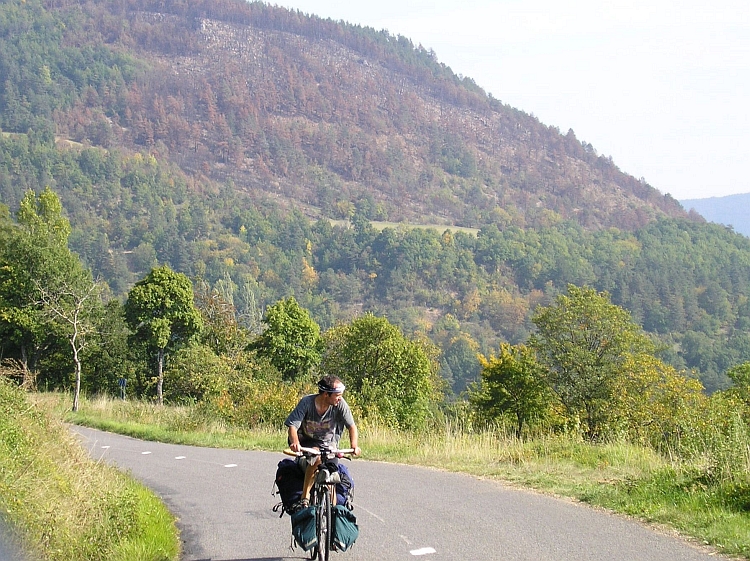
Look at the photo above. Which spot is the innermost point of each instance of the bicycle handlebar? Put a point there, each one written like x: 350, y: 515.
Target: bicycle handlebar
x: 340, y: 453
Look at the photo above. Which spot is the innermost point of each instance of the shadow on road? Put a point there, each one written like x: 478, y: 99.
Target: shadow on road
x: 258, y: 558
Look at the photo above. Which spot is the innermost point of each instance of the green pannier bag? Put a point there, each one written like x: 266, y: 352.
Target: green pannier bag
x: 304, y: 528
x: 345, y: 529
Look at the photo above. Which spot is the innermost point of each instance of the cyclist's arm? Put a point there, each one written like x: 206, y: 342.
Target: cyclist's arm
x: 293, y: 439
x: 354, y: 439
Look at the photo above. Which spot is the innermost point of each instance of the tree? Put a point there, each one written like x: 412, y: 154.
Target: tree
x: 512, y: 382
x: 584, y: 340
x: 291, y: 340
x: 20, y: 321
x: 652, y: 400
x: 70, y: 302
x: 34, y: 257
x: 161, y: 313
x: 394, y: 379
x: 740, y: 375
x: 461, y: 361
x: 222, y: 333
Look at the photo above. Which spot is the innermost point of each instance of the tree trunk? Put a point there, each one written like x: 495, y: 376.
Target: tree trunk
x: 160, y: 374
x: 77, y: 393
x: 28, y: 378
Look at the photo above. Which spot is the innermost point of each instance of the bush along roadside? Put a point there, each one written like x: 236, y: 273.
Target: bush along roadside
x: 63, y: 505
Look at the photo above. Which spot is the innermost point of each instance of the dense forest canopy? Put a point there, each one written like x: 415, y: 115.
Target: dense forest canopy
x: 261, y: 151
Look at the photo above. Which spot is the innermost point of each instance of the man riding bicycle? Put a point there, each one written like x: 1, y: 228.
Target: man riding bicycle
x: 318, y: 421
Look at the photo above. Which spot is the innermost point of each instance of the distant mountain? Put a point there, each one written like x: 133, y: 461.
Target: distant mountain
x: 732, y: 210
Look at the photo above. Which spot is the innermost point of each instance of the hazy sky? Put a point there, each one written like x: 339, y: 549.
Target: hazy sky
x: 661, y: 86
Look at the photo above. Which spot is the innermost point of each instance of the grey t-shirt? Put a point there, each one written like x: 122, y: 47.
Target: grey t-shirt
x: 319, y: 430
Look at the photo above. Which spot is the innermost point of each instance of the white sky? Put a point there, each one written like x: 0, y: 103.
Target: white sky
x: 662, y: 86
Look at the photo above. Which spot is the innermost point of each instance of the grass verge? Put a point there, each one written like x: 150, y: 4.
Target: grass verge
x: 618, y: 476
x: 67, y: 507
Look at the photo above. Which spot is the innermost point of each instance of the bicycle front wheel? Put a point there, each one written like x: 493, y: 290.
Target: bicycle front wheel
x: 323, y: 516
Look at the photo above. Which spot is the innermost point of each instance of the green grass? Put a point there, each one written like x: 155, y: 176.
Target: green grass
x: 622, y: 477
x: 66, y: 506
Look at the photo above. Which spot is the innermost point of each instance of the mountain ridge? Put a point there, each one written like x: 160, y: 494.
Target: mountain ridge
x: 730, y: 210
x: 332, y: 117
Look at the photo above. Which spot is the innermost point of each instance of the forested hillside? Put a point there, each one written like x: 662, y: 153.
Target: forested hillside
x: 261, y: 150
x: 319, y: 114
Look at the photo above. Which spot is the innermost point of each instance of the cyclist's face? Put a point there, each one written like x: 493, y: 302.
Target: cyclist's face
x: 334, y: 398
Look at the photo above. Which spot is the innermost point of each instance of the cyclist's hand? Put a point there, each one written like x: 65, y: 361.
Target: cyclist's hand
x: 294, y: 446
x: 357, y: 450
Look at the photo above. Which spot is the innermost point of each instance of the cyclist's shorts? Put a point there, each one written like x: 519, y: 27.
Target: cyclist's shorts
x: 304, y: 461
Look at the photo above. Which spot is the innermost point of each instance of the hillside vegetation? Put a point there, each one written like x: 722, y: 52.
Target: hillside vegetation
x: 66, y: 506
x: 314, y: 113
x: 221, y: 137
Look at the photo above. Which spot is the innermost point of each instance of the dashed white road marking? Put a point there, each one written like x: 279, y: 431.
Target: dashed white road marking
x: 230, y: 466
x: 423, y: 551
x: 105, y: 447
x: 146, y: 452
x: 360, y: 507
x: 179, y: 457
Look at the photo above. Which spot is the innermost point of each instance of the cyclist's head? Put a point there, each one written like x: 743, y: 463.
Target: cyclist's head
x: 331, y: 384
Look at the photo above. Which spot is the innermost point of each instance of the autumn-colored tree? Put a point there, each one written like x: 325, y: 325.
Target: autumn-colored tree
x: 652, y: 400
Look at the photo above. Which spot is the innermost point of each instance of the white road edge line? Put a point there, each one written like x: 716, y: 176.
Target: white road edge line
x: 423, y: 551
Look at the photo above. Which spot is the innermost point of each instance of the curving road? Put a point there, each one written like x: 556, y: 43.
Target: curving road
x: 223, y: 501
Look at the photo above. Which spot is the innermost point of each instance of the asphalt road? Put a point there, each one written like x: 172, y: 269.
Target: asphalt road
x: 223, y: 501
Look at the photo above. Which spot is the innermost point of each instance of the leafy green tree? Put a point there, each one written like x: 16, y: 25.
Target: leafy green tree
x: 20, y: 320
x: 65, y: 291
x: 740, y: 375
x: 460, y: 358
x: 196, y: 374
x: 109, y: 356
x: 161, y: 312
x: 512, y: 383
x: 291, y: 340
x: 584, y: 341
x: 394, y: 378
x: 36, y: 269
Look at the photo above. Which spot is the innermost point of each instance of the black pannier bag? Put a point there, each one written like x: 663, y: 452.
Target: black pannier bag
x: 289, y: 481
x: 345, y: 488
